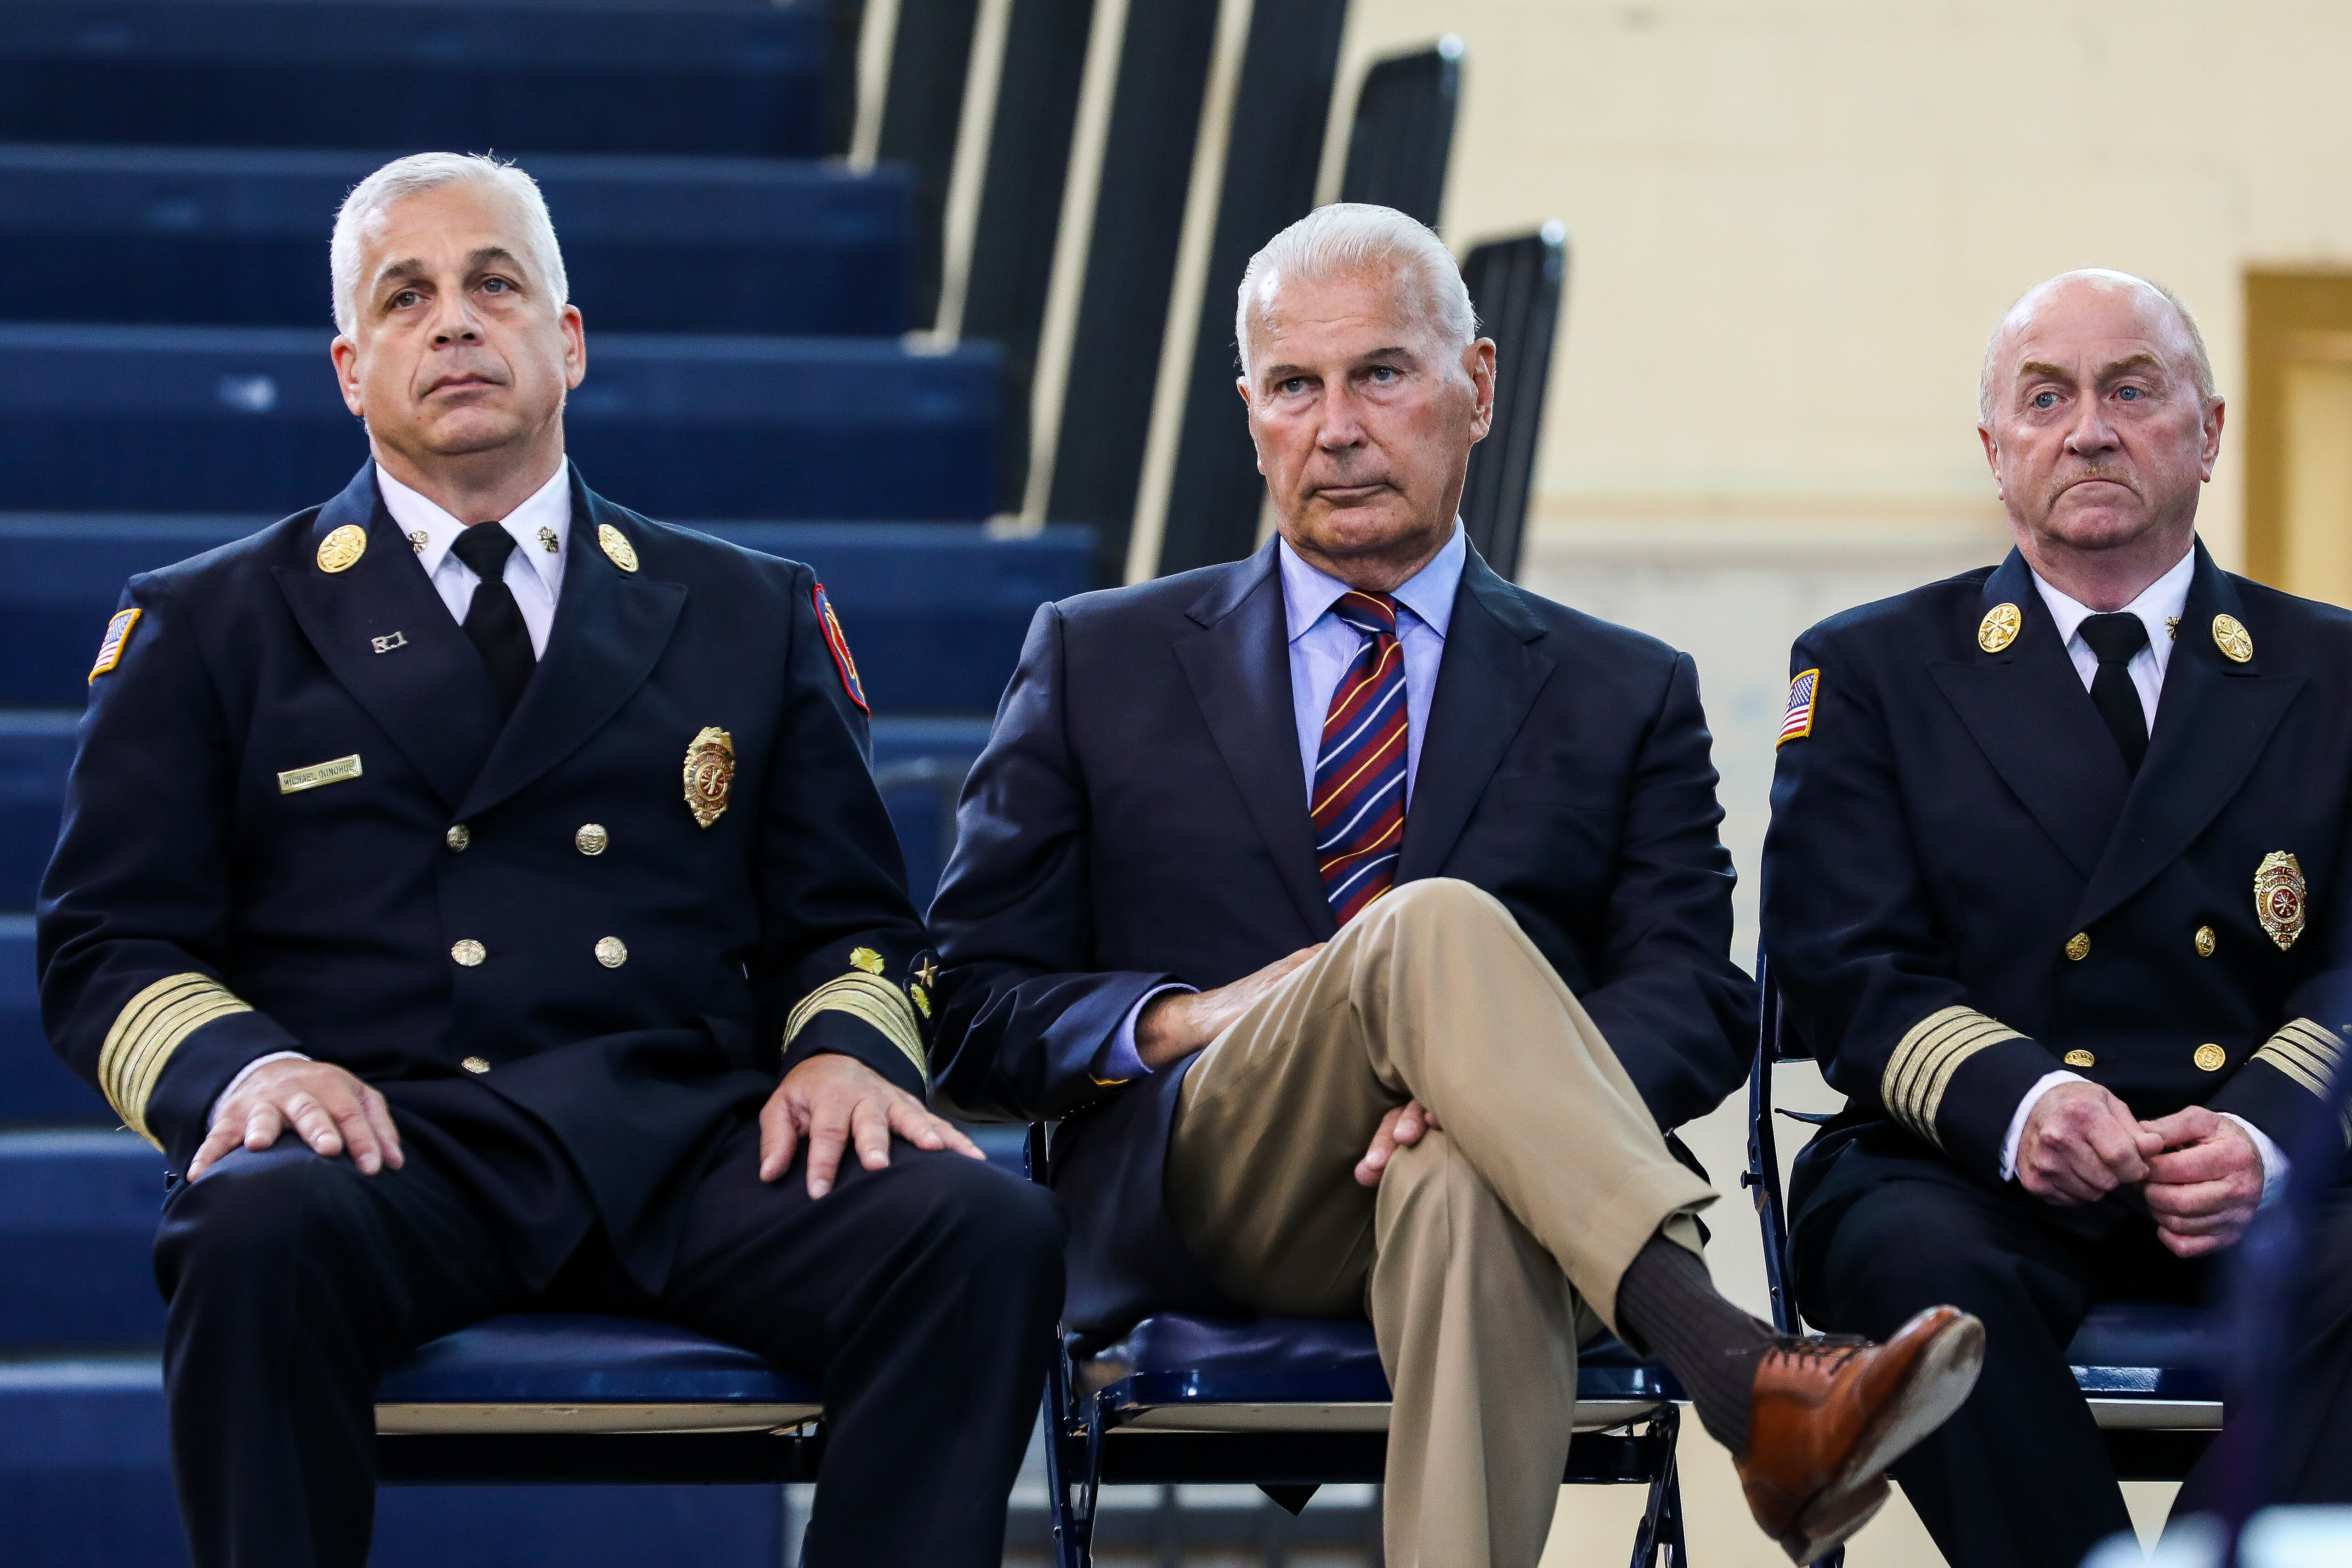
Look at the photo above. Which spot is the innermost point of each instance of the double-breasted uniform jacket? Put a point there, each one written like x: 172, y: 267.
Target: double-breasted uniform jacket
x: 1140, y: 816
x: 517, y: 928
x: 1966, y: 889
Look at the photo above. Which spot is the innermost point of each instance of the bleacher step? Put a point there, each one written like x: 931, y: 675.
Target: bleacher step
x: 222, y: 419
x: 204, y: 237
x: 593, y: 76
x: 85, y: 1482
x: 935, y: 611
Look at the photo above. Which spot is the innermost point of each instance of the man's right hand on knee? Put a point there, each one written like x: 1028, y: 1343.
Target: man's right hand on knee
x: 2080, y: 1144
x: 1175, y: 1024
x: 326, y: 1107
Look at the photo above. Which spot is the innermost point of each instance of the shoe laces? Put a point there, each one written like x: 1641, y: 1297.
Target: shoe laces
x: 1829, y: 1349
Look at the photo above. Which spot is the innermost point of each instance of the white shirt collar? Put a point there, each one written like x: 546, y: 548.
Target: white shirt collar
x: 546, y: 514
x: 2159, y: 606
x: 1308, y: 591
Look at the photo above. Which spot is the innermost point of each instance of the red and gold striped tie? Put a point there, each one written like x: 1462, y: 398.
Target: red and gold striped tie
x: 1359, y: 798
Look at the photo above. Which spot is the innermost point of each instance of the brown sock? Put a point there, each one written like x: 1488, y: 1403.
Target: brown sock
x: 1667, y: 1303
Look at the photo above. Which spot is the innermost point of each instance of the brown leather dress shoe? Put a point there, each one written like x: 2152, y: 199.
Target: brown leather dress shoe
x: 1829, y: 1415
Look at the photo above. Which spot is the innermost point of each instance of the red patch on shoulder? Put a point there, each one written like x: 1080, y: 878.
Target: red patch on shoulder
x: 831, y: 624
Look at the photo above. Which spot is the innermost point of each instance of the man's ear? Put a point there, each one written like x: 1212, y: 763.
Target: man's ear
x: 346, y: 357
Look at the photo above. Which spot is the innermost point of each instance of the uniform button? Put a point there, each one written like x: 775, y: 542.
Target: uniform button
x: 592, y: 838
x: 2211, y: 1058
x: 612, y: 952
x: 457, y: 837
x: 2080, y: 1059
x: 2078, y: 945
x: 468, y: 952
x: 475, y: 1065
x: 2204, y: 941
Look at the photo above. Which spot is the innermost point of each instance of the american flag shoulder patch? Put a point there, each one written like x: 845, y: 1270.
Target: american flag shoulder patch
x: 1798, y: 721
x: 118, y: 637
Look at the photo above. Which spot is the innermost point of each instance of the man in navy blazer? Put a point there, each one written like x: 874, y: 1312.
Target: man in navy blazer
x: 1362, y: 919
x: 479, y: 893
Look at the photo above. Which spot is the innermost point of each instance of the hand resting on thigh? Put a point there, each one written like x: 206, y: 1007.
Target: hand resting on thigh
x: 324, y: 1105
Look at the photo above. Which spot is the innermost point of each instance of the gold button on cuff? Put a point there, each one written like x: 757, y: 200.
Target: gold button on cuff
x: 475, y: 1065
x: 590, y: 839
x: 2211, y: 1058
x: 468, y: 952
x: 2204, y: 941
x: 457, y: 837
x: 2080, y: 1059
x: 612, y: 952
x: 2078, y: 945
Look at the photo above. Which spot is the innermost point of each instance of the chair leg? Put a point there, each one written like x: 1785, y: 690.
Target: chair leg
x: 1658, y: 1542
x: 1073, y: 1470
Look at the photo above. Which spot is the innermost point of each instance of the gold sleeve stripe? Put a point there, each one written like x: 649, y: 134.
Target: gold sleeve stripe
x: 147, y: 1031
x: 1925, y: 1060
x: 2305, y: 1052
x: 872, y: 999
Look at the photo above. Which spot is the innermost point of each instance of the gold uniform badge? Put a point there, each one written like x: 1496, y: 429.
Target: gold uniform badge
x: 1998, y: 629
x: 616, y: 545
x: 340, y: 550
x: 865, y: 958
x: 2279, y: 892
x: 2235, y: 642
x: 709, y: 773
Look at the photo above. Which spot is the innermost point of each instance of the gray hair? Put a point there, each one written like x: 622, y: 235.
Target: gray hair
x: 2105, y: 278
x: 1354, y: 237
x: 405, y: 177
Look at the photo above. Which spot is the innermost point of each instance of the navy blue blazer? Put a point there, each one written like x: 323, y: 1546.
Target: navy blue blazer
x: 202, y: 908
x: 1958, y: 840
x: 1140, y: 816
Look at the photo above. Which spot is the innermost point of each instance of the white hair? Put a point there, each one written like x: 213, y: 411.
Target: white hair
x: 2201, y: 362
x: 405, y: 177
x: 1351, y: 238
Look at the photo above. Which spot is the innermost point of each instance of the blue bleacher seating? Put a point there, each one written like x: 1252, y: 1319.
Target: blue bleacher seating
x: 588, y: 76
x: 77, y: 1214
x: 219, y: 419
x: 85, y: 1482
x: 207, y: 237
x: 935, y: 611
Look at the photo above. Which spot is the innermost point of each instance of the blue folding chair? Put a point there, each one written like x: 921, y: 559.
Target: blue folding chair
x: 2151, y: 1371
x: 1291, y: 1404
x: 583, y: 1399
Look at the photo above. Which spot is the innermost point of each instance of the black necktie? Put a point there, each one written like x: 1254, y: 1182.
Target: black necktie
x: 2115, y: 639
x: 493, y: 620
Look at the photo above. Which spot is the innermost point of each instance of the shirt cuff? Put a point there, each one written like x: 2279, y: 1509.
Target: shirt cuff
x: 2042, y: 1085
x: 2276, y: 1166
x: 246, y: 1072
x: 1118, y: 1061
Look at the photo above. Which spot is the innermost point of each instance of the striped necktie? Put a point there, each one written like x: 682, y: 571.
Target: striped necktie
x: 1359, y: 796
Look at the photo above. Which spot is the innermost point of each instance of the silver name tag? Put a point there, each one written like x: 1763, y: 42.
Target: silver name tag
x: 319, y: 773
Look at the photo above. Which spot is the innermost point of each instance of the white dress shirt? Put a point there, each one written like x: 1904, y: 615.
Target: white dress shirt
x: 1322, y: 646
x: 2159, y: 606
x: 534, y: 575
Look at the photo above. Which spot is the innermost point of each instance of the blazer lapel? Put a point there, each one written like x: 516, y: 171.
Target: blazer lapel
x: 2212, y: 724
x: 425, y: 685
x: 2028, y: 711
x: 609, y: 629
x: 1239, y: 669
x: 1486, y: 682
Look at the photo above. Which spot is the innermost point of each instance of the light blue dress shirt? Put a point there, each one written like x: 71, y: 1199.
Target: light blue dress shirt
x: 1322, y: 646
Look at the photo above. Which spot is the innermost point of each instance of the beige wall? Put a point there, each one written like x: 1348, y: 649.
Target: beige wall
x: 1793, y: 222
x: 1792, y: 226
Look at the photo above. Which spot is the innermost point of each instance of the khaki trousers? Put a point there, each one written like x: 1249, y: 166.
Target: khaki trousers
x: 1488, y: 1249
